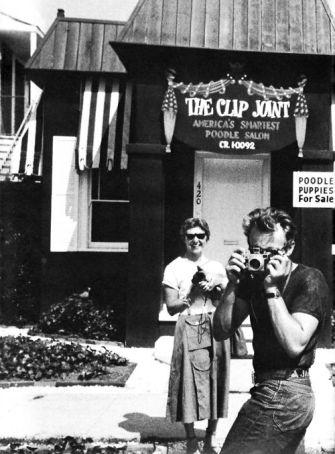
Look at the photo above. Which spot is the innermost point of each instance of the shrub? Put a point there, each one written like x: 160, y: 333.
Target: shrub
x: 20, y: 253
x: 78, y: 315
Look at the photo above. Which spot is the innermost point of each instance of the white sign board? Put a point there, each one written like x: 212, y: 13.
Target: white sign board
x: 314, y: 189
x: 64, y: 202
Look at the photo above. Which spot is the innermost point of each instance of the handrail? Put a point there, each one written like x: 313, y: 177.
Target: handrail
x: 22, y: 128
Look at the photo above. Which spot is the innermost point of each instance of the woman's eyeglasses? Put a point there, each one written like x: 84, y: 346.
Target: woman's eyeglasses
x: 191, y: 236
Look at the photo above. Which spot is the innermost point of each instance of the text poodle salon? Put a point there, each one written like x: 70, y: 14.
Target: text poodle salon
x: 252, y: 118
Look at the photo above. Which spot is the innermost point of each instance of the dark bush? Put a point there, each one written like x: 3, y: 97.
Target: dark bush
x: 78, y: 315
x: 20, y: 253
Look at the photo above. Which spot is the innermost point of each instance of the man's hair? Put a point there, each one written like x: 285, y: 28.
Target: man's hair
x: 190, y: 223
x: 266, y: 219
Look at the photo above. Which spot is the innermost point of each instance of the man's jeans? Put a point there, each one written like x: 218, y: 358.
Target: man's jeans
x: 274, y: 420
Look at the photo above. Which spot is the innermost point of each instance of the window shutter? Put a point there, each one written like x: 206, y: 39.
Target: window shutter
x: 64, y: 198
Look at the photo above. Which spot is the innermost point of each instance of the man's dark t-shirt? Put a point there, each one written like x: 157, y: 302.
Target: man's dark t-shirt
x: 306, y: 292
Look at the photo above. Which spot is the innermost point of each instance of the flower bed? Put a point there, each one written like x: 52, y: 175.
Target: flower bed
x: 71, y: 445
x: 26, y: 359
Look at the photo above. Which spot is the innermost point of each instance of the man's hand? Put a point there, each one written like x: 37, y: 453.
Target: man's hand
x: 236, y: 264
x: 277, y: 269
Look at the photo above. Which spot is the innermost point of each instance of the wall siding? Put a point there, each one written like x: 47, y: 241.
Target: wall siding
x: 71, y: 52
x: 84, y: 50
x: 323, y: 29
x: 169, y: 22
x: 96, y: 47
x: 240, y: 37
x: 282, y: 26
x: 61, y: 37
x: 212, y: 25
x: 296, y: 36
x: 183, y: 32
x: 268, y: 26
x: 254, y: 29
x: 109, y: 58
x: 155, y: 22
x: 198, y: 18
x: 47, y: 53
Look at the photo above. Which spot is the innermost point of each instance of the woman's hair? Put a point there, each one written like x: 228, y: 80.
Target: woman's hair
x: 266, y: 219
x: 190, y: 223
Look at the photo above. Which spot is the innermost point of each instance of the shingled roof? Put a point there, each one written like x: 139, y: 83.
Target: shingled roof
x: 78, y: 45
x: 286, y: 26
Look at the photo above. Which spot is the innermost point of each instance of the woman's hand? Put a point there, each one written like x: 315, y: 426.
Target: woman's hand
x: 212, y: 281
x: 208, y: 284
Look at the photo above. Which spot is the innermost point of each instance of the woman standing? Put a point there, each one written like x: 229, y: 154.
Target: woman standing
x: 199, y: 376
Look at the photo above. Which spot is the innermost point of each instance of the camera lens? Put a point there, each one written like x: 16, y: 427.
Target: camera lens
x: 255, y: 264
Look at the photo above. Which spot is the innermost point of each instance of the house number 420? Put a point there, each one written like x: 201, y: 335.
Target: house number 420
x: 198, y: 194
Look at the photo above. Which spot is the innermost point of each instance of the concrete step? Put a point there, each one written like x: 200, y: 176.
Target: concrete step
x: 5, y: 169
x: 5, y: 164
x: 6, y: 142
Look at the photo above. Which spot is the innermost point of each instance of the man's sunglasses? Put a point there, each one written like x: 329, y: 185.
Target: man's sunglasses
x: 259, y: 250
x: 191, y: 236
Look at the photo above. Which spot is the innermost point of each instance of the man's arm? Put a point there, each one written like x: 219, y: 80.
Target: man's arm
x: 293, y: 331
x: 229, y: 314
x: 231, y: 311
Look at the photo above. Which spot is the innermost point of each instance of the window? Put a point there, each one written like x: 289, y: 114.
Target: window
x: 108, y: 209
x: 11, y: 92
x: 90, y: 210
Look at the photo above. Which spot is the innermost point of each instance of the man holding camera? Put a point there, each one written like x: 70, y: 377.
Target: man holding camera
x: 285, y: 302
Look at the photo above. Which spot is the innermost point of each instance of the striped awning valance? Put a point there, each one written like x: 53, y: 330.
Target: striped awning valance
x: 104, y: 123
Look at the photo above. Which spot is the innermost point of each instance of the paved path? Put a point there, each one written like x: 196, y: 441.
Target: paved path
x: 137, y: 411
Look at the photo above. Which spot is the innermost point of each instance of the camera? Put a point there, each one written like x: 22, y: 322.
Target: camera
x: 256, y: 259
x: 198, y: 276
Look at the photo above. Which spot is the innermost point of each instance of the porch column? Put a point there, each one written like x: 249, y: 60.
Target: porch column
x: 318, y: 223
x: 146, y: 242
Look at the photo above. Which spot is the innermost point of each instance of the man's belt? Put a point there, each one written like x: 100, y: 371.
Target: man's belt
x: 282, y: 374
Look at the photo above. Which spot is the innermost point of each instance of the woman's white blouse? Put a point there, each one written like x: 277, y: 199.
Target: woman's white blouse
x: 178, y: 275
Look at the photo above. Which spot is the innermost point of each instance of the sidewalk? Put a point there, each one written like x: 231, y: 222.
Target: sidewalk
x: 136, y: 412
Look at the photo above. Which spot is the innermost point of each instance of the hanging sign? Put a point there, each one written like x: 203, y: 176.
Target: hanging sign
x: 235, y: 115
x: 235, y: 122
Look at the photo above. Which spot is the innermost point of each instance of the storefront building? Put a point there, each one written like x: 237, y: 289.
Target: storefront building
x: 197, y: 107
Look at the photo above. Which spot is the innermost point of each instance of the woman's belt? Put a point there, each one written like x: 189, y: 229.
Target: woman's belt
x: 282, y: 374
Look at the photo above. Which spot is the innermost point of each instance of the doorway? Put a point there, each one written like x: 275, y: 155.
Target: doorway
x: 226, y: 188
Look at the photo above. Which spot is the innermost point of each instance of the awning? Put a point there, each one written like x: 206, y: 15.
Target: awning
x: 104, y: 123
x: 26, y: 155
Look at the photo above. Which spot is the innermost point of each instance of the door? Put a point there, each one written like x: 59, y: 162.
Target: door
x: 226, y: 188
